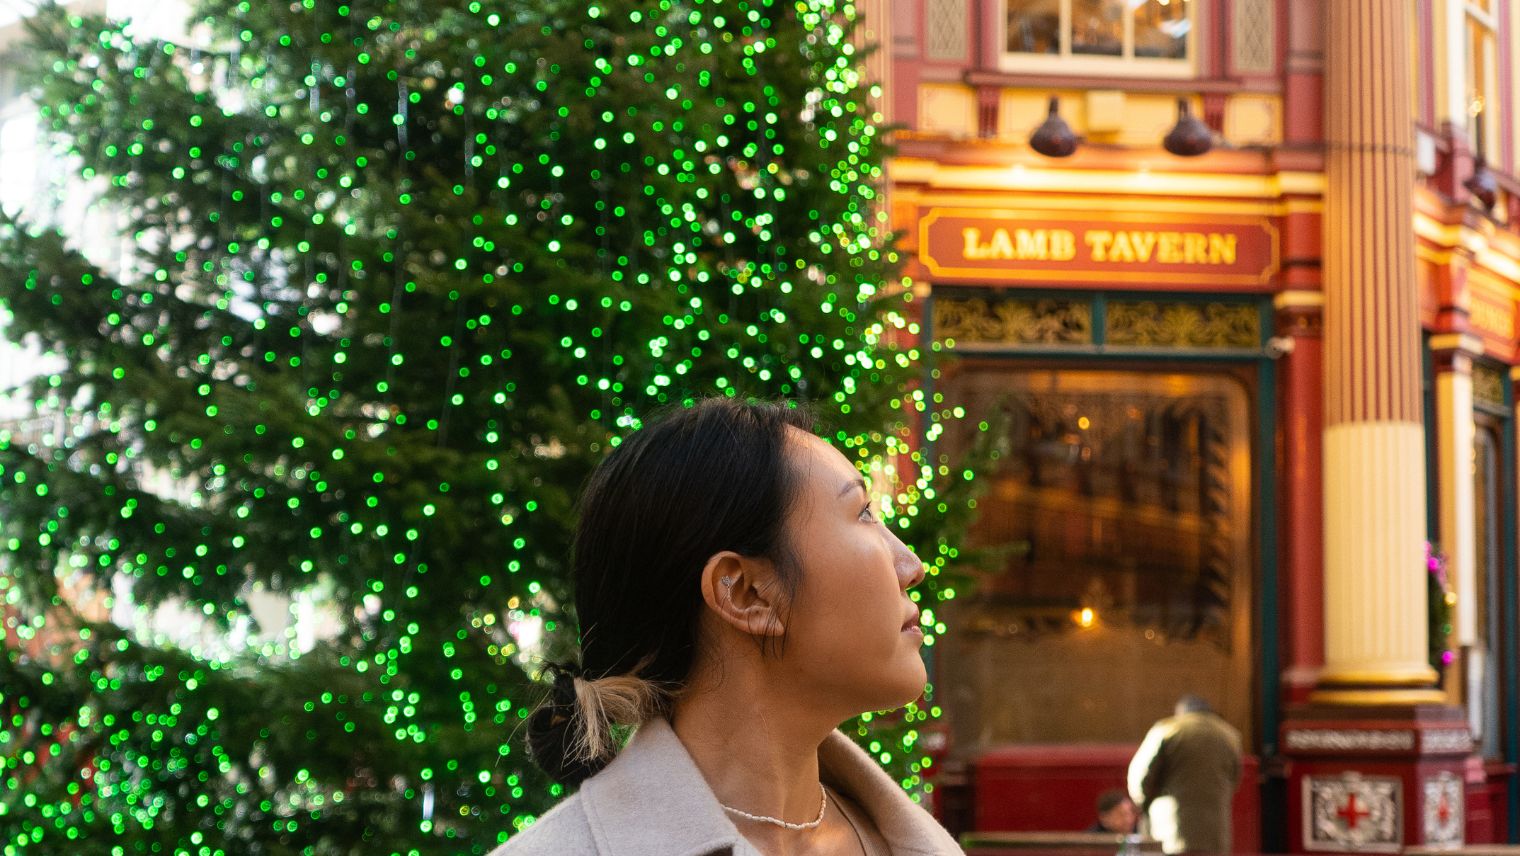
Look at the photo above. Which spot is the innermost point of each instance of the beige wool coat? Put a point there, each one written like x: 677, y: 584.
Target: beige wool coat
x: 1184, y: 775
x: 652, y: 801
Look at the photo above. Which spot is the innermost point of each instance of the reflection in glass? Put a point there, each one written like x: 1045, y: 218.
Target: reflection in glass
x: 1161, y: 28
x: 1034, y: 26
x: 1097, y: 27
x: 1126, y: 499
x: 1483, y: 663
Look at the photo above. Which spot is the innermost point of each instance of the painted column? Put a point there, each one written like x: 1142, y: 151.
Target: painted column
x: 1374, y: 443
x: 1301, y: 423
x: 1453, y: 354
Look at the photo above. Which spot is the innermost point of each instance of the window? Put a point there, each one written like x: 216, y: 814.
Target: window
x: 1482, y: 77
x: 1482, y: 691
x: 1121, y: 573
x: 1099, y: 35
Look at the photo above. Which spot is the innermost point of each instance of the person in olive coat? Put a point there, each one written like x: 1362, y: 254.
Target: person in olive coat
x: 1184, y: 777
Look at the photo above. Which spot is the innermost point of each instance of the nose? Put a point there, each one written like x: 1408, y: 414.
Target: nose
x: 910, y: 571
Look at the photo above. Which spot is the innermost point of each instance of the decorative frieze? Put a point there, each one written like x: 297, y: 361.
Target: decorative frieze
x: 1154, y: 324
x: 1446, y: 741
x: 1014, y: 321
x: 1348, y: 740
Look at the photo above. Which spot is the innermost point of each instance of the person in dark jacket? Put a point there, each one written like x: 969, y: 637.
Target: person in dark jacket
x: 1184, y: 777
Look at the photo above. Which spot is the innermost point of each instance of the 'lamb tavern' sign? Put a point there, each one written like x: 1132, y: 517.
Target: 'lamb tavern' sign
x: 984, y: 245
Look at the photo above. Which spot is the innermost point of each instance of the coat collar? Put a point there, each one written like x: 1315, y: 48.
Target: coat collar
x: 653, y: 799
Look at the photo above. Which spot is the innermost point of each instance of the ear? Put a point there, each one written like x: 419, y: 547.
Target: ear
x: 743, y: 592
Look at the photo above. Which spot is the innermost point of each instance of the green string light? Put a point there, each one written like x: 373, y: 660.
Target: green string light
x: 400, y: 273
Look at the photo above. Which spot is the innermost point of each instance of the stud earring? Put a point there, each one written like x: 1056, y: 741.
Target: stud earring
x: 727, y: 581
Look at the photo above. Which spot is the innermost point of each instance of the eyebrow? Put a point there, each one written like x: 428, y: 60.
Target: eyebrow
x: 859, y: 482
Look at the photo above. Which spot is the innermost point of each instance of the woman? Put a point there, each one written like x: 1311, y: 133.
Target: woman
x: 738, y: 598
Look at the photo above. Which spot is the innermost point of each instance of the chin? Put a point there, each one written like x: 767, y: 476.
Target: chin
x: 911, y: 687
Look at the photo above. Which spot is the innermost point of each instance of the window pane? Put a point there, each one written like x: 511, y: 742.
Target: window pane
x: 1161, y: 29
x: 1097, y: 27
x: 1123, y: 505
x: 1483, y: 664
x: 1034, y: 26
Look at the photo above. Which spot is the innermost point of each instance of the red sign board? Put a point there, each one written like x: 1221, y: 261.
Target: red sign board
x: 987, y: 245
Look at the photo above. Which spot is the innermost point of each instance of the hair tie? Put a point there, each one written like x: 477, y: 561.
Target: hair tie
x: 563, y: 690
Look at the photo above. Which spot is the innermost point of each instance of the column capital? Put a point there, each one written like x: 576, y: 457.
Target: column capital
x: 1454, y: 352
x: 1299, y: 312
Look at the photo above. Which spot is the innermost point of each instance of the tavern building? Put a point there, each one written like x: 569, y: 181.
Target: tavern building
x: 1245, y: 306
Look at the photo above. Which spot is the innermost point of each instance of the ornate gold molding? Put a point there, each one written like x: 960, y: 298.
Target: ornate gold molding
x: 1147, y: 323
x: 1042, y: 321
x: 1488, y: 385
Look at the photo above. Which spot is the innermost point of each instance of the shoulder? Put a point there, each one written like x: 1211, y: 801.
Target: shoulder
x: 563, y: 831
x: 906, y: 826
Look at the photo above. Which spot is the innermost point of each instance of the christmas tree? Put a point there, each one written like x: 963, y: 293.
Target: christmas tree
x: 402, y: 272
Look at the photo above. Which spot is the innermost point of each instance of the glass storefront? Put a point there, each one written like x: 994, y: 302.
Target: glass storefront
x: 1124, y: 569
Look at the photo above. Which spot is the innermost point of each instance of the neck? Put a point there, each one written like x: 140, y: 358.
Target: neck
x: 756, y: 747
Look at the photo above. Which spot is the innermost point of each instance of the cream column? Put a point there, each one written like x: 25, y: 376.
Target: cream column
x: 1374, y: 447
x: 1454, y: 448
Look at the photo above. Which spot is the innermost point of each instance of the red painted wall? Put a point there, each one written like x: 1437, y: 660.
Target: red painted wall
x: 1054, y: 788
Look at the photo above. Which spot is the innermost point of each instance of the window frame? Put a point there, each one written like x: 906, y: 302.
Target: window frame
x: 1486, y: 21
x: 1066, y: 63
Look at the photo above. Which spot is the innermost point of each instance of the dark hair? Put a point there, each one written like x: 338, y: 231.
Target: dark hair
x: 1191, y: 703
x: 1110, y: 799
x: 695, y: 482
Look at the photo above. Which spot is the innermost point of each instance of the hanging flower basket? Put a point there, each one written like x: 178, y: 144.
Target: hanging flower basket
x: 1439, y: 601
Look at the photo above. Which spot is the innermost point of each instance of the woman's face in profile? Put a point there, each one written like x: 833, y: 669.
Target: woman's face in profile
x: 852, y: 632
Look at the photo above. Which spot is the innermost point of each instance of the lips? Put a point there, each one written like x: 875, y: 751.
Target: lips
x: 912, y: 622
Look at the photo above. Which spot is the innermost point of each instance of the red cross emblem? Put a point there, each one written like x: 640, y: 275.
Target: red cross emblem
x: 1352, y: 813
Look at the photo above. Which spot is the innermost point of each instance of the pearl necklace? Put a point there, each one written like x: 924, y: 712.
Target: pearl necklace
x: 823, y: 806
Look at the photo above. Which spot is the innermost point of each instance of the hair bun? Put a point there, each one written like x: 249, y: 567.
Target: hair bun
x: 556, y: 728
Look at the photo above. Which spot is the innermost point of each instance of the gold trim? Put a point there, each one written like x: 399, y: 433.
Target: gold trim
x: 1295, y: 298
x: 1421, y: 676
x: 1440, y: 257
x: 1477, y: 242
x: 1466, y: 343
x: 1106, y: 181
x: 1084, y: 203
x: 1379, y: 697
x: 1059, y: 275
x: 1157, y: 324
x: 1012, y: 321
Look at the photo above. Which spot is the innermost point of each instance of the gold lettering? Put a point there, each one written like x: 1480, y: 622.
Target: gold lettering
x: 1124, y: 251
x: 1063, y: 245
x: 1001, y: 246
x: 1169, y: 249
x: 1221, y: 249
x: 1143, y: 242
x: 1103, y: 245
x: 972, y: 239
x: 1195, y: 248
x: 1032, y: 243
x: 1098, y: 240
x: 1021, y: 245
